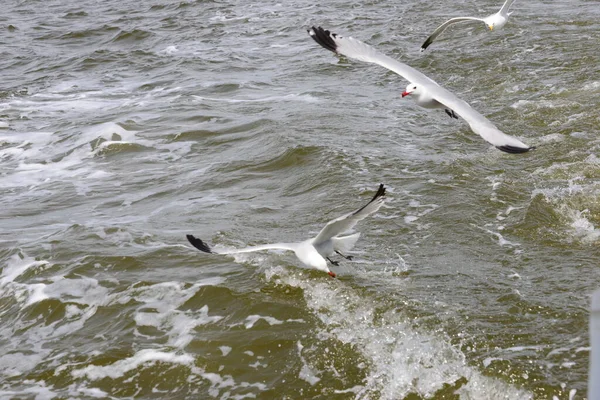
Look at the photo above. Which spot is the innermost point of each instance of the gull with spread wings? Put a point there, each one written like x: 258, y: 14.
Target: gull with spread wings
x: 315, y: 252
x: 426, y: 92
x: 494, y: 21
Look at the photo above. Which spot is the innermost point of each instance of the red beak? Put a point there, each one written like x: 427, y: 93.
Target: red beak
x: 331, y: 274
x: 404, y: 94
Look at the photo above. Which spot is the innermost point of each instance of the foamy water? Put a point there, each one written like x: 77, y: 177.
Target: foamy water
x: 126, y: 126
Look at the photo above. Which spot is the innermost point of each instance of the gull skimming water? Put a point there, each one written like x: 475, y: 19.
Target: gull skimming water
x: 494, y: 21
x: 426, y: 92
x: 315, y: 252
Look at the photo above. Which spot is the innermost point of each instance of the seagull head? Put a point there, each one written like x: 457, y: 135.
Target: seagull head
x: 411, y: 88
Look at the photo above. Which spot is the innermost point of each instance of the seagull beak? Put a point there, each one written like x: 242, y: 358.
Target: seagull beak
x: 491, y: 27
x: 331, y: 274
x: 404, y: 94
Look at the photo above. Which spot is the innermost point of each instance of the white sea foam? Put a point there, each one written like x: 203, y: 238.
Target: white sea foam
x: 121, y: 367
x: 77, y: 391
x: 18, y: 363
x: 523, y: 348
x: 591, y: 86
x: 306, y: 373
x: 16, y: 266
x: 569, y: 200
x: 402, y: 360
x: 85, y: 291
x: 225, y: 350
x: 37, y: 389
x: 26, y: 293
x: 164, y: 299
x: 486, y: 363
x: 252, y: 319
x: 257, y: 364
x: 24, y: 145
x: 169, y: 50
x: 306, y: 98
x: 539, y: 104
x: 582, y: 227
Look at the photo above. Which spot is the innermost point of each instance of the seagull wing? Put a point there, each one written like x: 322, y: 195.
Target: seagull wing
x: 353, y: 48
x: 505, y: 7
x: 478, y: 123
x: 202, y: 246
x: 348, y: 221
x: 443, y: 27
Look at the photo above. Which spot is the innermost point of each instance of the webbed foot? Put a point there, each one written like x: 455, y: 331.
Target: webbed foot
x: 333, y: 262
x: 451, y: 113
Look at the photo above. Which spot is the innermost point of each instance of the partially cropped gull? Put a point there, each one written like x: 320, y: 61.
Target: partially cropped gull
x: 494, y: 21
x: 315, y: 252
x: 422, y: 89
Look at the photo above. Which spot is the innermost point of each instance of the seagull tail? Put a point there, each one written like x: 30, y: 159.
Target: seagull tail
x: 199, y: 244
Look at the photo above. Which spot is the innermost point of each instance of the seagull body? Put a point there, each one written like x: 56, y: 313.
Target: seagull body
x: 494, y: 21
x: 314, y: 252
x: 426, y: 91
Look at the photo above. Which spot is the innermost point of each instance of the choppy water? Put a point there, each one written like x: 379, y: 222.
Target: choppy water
x: 126, y: 125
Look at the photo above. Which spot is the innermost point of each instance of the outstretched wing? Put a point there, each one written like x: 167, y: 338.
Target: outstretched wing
x: 358, y: 50
x: 348, y: 221
x: 505, y: 7
x: 203, y: 246
x: 443, y: 27
x: 354, y: 48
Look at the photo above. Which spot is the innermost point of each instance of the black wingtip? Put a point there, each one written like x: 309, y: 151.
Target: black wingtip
x: 323, y: 37
x: 380, y: 192
x: 514, y: 149
x: 426, y: 44
x: 199, y: 244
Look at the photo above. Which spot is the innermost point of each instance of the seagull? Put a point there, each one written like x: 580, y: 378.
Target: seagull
x: 494, y: 21
x: 426, y: 92
x: 315, y: 252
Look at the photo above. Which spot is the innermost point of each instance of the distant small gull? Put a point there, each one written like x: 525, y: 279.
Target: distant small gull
x: 425, y: 91
x: 494, y: 21
x: 315, y: 252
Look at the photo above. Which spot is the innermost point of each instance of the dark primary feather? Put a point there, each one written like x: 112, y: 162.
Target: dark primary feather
x: 427, y: 43
x: 514, y: 150
x: 323, y: 37
x: 380, y: 193
x: 199, y: 244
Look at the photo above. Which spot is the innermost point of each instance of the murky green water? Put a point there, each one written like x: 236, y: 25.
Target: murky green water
x: 125, y: 126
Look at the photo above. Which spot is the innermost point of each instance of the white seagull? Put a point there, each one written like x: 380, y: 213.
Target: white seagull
x: 494, y: 21
x: 315, y: 252
x: 427, y: 93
